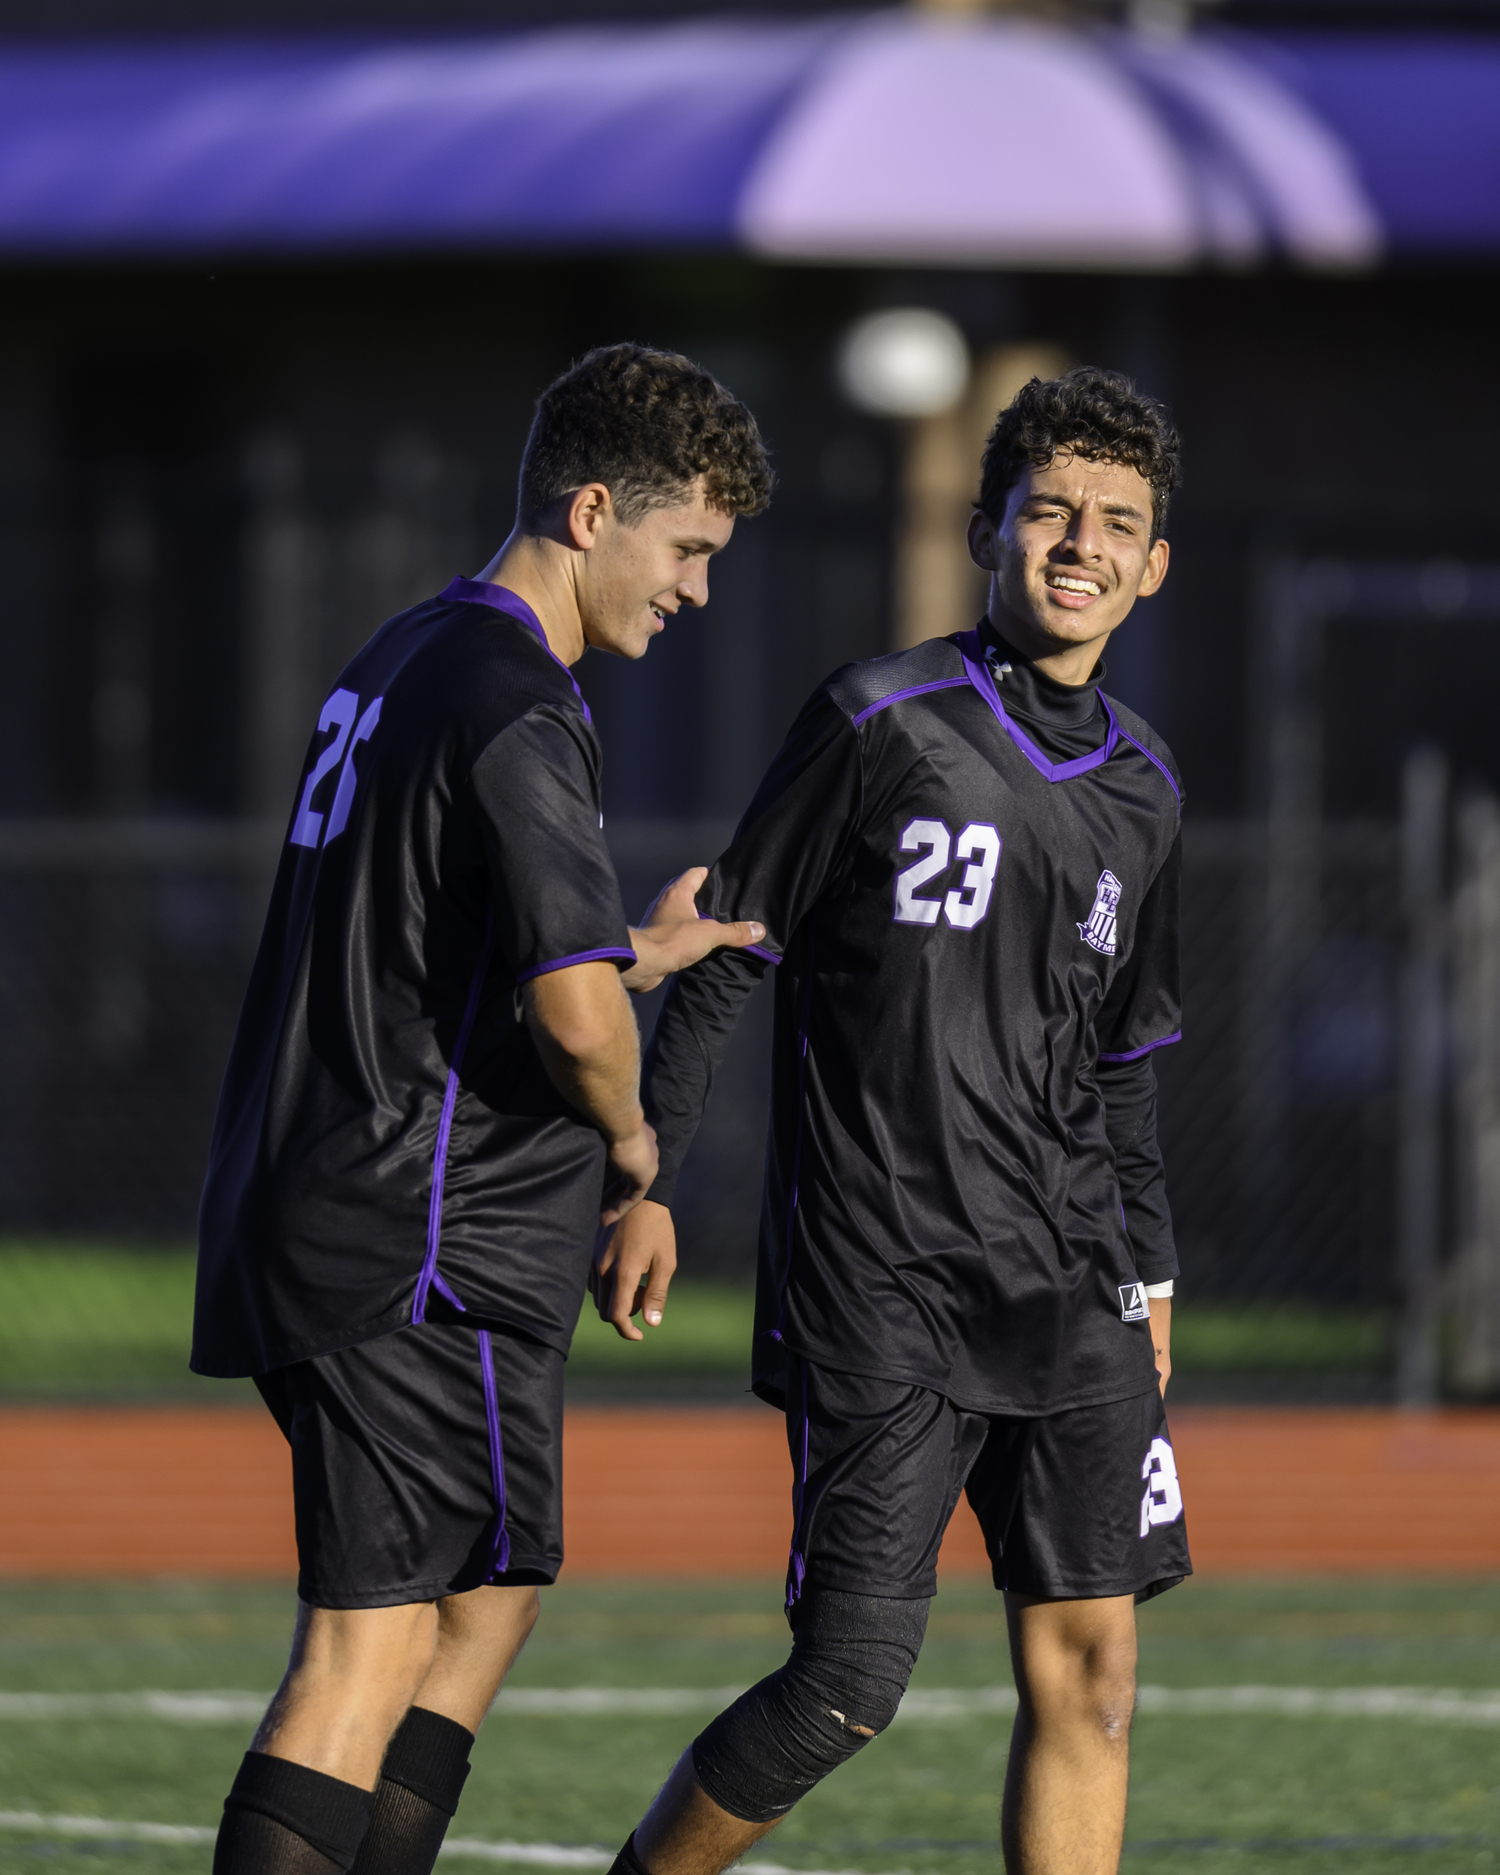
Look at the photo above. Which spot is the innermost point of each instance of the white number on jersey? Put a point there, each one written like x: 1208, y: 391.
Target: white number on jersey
x: 934, y: 835
x: 338, y: 714
x: 1163, y: 1500
x: 965, y: 905
x: 343, y: 798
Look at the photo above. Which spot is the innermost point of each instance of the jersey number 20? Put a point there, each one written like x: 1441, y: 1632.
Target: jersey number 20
x: 339, y: 714
x: 967, y: 902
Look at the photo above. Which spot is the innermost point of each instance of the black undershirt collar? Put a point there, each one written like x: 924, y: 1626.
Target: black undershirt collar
x: 1064, y: 719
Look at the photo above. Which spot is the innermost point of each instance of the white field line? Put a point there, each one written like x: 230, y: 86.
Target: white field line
x: 31, y: 1822
x: 183, y: 1708
x: 930, y: 1706
x: 533, y: 1854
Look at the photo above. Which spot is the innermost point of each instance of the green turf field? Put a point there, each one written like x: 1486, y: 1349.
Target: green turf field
x: 97, y: 1321
x: 1248, y: 1794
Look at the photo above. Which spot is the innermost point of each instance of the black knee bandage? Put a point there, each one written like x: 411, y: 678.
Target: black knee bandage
x: 852, y: 1656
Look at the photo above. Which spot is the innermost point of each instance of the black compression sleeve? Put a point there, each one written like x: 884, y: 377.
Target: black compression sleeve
x: 790, y: 846
x: 1129, y: 1090
x: 691, y: 1035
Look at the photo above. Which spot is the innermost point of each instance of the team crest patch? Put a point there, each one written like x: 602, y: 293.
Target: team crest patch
x: 1099, y: 929
x: 1133, y: 1304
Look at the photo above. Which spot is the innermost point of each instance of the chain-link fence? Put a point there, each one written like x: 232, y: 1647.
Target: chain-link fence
x: 124, y: 950
x: 1331, y: 1121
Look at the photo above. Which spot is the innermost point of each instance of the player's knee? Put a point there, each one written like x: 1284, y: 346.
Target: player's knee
x: 852, y: 1656
x: 1084, y: 1676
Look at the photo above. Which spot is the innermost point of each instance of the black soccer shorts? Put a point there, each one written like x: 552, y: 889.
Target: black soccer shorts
x: 424, y: 1463
x: 1080, y: 1504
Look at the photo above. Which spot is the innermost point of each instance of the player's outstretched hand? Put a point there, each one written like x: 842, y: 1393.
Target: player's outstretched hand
x: 631, y: 1174
x: 674, y: 935
x: 633, y: 1266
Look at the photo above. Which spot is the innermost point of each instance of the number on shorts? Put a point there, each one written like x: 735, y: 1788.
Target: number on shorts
x: 1163, y: 1500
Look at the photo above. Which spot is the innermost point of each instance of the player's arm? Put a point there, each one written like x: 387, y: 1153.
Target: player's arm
x: 584, y: 1029
x: 559, y: 925
x: 1129, y: 1090
x: 675, y: 935
x: 791, y: 845
x: 1143, y: 1012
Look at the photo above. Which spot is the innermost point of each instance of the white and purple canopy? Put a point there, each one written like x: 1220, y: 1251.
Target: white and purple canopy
x: 893, y: 138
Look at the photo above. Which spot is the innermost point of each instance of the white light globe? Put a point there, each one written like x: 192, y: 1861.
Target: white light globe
x: 909, y: 362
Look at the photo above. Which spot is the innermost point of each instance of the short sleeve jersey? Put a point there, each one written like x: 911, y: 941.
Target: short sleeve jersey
x: 387, y: 1141
x: 965, y: 928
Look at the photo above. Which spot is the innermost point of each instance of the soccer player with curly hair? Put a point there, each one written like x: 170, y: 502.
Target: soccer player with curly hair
x: 966, y: 857
x: 436, y: 1070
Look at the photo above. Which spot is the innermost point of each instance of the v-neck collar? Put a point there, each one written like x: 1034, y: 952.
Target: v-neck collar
x: 978, y: 673
x: 502, y: 599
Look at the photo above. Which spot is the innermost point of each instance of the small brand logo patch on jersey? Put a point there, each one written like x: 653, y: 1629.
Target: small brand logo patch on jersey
x: 1133, y: 1304
x: 1099, y: 928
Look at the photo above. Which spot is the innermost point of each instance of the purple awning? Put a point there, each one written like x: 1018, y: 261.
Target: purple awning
x: 899, y: 138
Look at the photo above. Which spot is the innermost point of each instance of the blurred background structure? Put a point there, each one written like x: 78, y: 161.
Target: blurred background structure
x: 280, y: 282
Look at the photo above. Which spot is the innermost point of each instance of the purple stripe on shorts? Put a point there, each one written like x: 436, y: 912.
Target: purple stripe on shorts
x: 578, y: 957
x: 429, y: 1276
x: 796, y: 1568
x: 1134, y: 1054
x: 803, y: 1021
x: 897, y: 696
x: 502, y: 599
x: 501, y: 1550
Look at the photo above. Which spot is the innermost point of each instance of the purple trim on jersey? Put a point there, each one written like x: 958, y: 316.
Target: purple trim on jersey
x: 502, y: 599
x: 979, y: 676
x: 1155, y: 761
x: 1134, y: 1054
x: 755, y: 950
x: 501, y: 1550
x: 804, y: 1017
x: 896, y: 696
x: 446, y: 1293
x: 429, y: 1276
x: 796, y: 1568
x: 578, y: 957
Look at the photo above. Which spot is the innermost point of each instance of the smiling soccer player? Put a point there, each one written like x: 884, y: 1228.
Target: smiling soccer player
x: 967, y: 859
x: 435, y: 1065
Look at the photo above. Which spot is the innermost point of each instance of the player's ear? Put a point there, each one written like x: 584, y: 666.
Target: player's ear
x: 1156, y: 569
x: 982, y: 540
x: 587, y: 508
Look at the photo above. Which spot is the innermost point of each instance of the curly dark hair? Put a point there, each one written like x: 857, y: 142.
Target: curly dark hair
x: 1089, y: 412
x: 646, y: 424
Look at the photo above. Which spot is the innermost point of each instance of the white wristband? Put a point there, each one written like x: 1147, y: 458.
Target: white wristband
x: 1153, y: 1290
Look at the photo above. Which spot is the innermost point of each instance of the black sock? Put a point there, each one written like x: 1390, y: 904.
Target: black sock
x: 415, y: 1800
x: 627, y: 1862
x: 281, y: 1818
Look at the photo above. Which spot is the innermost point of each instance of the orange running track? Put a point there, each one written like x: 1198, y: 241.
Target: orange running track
x: 667, y: 1492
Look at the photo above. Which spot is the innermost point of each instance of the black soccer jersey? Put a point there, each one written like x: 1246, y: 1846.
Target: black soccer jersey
x: 966, y: 928
x: 387, y: 1142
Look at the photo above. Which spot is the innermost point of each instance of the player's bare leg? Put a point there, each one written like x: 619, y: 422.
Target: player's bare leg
x: 363, y: 1681
x: 686, y: 1833
x: 479, y: 1635
x: 1065, y: 1786
x: 353, y: 1673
